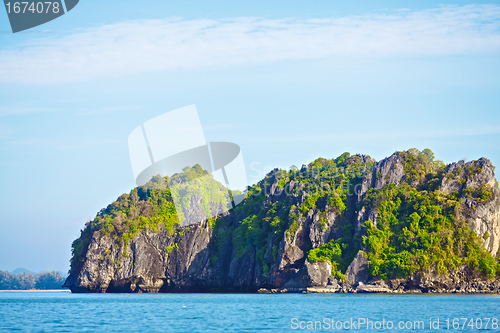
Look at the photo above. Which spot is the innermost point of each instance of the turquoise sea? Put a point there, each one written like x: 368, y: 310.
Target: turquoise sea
x: 66, y: 312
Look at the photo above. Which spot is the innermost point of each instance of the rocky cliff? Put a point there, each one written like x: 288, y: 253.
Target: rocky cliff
x: 317, y: 229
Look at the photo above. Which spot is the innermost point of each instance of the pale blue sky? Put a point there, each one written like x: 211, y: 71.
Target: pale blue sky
x: 289, y: 81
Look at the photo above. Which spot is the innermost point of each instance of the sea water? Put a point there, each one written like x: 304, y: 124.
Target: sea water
x: 66, y: 312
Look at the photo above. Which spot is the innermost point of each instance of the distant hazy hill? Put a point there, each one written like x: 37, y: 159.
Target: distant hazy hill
x: 21, y: 270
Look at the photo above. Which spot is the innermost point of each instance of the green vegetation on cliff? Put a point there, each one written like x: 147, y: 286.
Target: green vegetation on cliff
x: 145, y: 207
x: 419, y: 227
x: 151, y: 207
x: 329, y: 252
x: 148, y: 207
x: 324, y: 185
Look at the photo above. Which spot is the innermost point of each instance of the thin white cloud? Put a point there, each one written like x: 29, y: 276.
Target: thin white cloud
x: 23, y: 109
x: 161, y: 45
x: 108, y: 109
x: 9, y: 110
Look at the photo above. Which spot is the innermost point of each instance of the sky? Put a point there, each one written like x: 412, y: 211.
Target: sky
x: 288, y: 81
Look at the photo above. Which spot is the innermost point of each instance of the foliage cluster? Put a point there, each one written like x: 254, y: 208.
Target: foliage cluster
x: 326, y: 184
x: 26, y: 281
x: 419, y: 227
x: 329, y: 252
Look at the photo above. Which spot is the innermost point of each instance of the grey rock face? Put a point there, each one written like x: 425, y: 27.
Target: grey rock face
x: 388, y: 171
x: 373, y: 288
x: 317, y: 274
x: 363, y: 216
x: 145, y: 264
x: 358, y: 270
x: 320, y: 233
x: 483, y: 217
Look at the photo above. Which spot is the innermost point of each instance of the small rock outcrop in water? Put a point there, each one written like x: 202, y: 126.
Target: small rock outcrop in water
x: 407, y: 223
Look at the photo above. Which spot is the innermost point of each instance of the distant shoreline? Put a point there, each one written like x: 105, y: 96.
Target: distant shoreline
x: 35, y: 291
